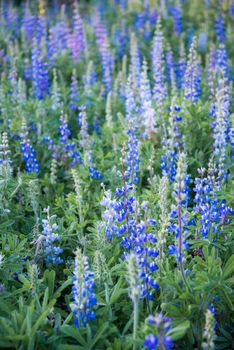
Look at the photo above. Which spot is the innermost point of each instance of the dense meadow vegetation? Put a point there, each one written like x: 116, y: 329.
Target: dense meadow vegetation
x: 116, y: 175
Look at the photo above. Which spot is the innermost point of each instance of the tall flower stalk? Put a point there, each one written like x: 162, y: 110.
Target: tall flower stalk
x: 28, y: 152
x: 192, y: 79
x: 134, y: 291
x: 84, y: 298
x: 159, y: 89
x: 179, y: 212
x: 5, y: 161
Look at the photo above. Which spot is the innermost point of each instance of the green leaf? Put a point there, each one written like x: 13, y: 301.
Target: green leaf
x: 25, y: 281
x: 29, y: 321
x: 99, y: 333
x: 5, y: 307
x: 179, y: 331
x: 49, y: 277
x: 171, y: 309
x: 117, y: 292
x: 74, y: 333
x: 16, y: 337
x: 41, y: 319
x: 127, y: 326
x: 45, y: 299
x: 6, y: 327
x: 228, y: 300
x: 70, y: 347
x: 4, y: 344
x: 229, y: 267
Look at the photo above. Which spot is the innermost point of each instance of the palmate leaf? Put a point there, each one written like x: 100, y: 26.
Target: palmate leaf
x: 179, y: 331
x: 229, y: 267
x: 74, y: 333
x: 117, y: 292
x: 172, y: 310
x: 227, y: 296
x: 99, y: 333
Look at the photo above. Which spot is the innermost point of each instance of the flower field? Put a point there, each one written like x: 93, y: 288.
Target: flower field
x: 116, y: 175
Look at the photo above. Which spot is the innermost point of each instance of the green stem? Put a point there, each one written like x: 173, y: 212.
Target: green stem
x: 135, y: 321
x: 183, y: 276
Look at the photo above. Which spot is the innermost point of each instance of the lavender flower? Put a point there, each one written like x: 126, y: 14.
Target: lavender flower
x: 83, y: 291
x: 181, y: 195
x: 120, y: 39
x: 41, y: 28
x: 209, y: 332
x: 177, y: 19
x: 5, y: 161
x: 39, y: 72
x: 170, y: 68
x: 51, y: 250
x: 151, y: 342
x: 173, y: 143
x: 121, y: 219
x: 74, y: 92
x: 175, y: 137
x: 217, y: 67
x: 231, y: 10
x: 131, y: 107
x: 85, y: 141
x: 133, y: 159
x: 212, y: 70
x: 135, y: 64
x: 68, y: 149
x: 106, y: 55
x: 146, y: 254
x: 62, y: 30
x: 192, y: 79
x: 28, y: 152
x: 220, y: 112
x: 164, y: 217
x: 64, y: 130
x: 55, y: 92
x: 109, y: 215
x: 202, y: 41
x: 220, y: 29
x: 222, y: 61
x: 27, y: 69
x: 109, y: 122
x: 93, y: 171
x: 134, y: 277
x: 160, y: 340
x: 231, y: 136
x: 205, y: 206
x: 53, y: 46
x: 29, y: 24
x: 77, y: 42
x: 89, y: 78
x: 168, y: 164
x: 107, y: 64
x: 159, y: 89
x: 212, y: 211
x: 147, y: 111
x: 13, y: 82
x: 181, y: 68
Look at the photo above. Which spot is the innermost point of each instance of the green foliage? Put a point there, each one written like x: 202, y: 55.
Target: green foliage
x: 35, y: 295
